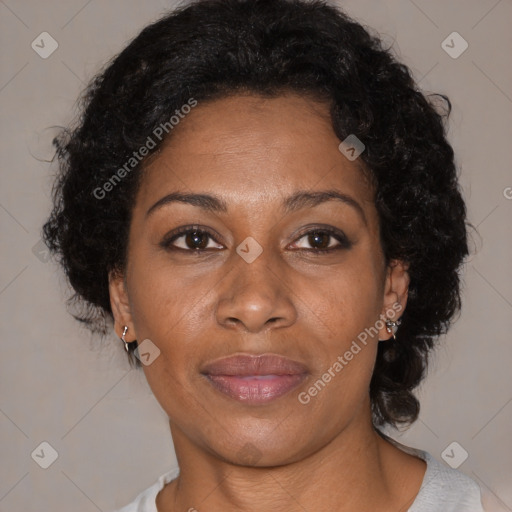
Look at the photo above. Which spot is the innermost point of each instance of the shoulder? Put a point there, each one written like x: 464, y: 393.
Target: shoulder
x: 443, y: 489
x: 146, y: 500
x: 446, y: 489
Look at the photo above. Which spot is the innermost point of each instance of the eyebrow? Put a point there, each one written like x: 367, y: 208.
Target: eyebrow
x: 297, y: 201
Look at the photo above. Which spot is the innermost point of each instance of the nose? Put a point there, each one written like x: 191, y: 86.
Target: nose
x: 255, y: 297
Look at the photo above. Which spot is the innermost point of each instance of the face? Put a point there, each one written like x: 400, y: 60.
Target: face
x: 268, y: 264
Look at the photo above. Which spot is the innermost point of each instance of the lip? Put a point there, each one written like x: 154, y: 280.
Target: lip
x: 255, y: 379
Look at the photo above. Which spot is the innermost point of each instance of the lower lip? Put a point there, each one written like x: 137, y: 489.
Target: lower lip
x: 255, y: 389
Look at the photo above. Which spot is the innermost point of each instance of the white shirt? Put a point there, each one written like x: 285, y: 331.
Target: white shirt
x: 443, y: 489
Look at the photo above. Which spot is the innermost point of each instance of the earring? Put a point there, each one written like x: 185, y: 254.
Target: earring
x: 392, y: 326
x: 125, y: 330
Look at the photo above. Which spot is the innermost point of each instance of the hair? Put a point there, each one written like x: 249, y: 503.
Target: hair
x: 211, y: 49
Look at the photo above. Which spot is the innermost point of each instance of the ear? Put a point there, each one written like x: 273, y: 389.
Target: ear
x: 120, y: 306
x: 396, y: 289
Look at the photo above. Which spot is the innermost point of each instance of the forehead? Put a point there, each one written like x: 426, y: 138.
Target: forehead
x: 249, y: 149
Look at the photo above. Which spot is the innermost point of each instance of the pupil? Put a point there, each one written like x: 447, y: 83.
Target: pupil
x: 313, y: 239
x: 197, y: 240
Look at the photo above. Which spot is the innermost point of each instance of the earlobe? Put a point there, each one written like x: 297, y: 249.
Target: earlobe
x: 120, y: 306
x: 396, y: 291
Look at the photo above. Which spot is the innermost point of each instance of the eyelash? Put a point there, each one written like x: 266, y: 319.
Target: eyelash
x: 344, y: 243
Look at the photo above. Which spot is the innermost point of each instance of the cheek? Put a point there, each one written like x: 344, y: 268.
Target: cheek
x: 344, y: 308
x: 173, y: 318
x: 163, y: 304
x: 174, y: 312
x: 346, y: 301
x: 346, y: 358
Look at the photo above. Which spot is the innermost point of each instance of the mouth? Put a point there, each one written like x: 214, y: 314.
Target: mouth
x: 255, y: 379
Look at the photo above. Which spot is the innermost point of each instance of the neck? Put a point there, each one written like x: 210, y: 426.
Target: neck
x: 358, y: 465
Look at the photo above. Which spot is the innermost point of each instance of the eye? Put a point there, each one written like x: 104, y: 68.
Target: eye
x: 324, y: 240
x: 191, y: 239
x: 194, y: 239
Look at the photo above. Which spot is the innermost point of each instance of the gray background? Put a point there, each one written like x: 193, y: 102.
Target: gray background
x: 61, y: 385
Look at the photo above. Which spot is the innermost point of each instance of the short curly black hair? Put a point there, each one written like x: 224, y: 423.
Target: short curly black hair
x: 211, y: 49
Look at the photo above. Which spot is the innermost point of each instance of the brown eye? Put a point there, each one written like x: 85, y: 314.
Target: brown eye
x: 191, y: 240
x: 323, y: 241
x: 319, y: 239
x: 196, y: 240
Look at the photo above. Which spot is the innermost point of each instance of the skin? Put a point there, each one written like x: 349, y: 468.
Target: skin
x: 252, y: 153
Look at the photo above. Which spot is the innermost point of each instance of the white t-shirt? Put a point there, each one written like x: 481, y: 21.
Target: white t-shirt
x: 443, y: 489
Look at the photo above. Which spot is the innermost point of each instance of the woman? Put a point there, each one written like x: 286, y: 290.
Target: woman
x: 267, y: 208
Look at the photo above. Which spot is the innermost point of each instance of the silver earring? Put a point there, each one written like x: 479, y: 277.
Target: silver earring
x: 392, y: 326
x: 125, y: 330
